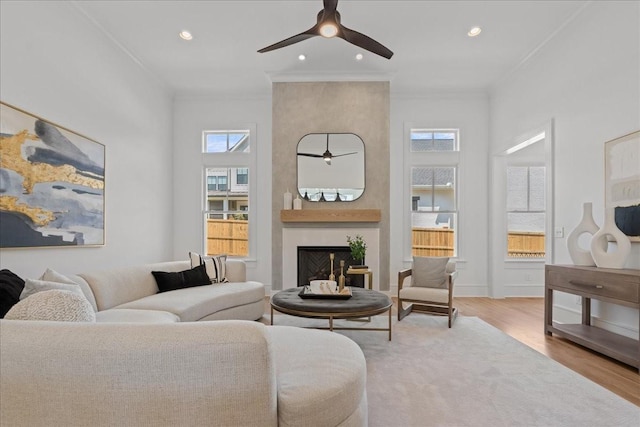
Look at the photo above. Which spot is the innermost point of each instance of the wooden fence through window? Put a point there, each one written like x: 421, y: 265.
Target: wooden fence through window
x: 231, y: 237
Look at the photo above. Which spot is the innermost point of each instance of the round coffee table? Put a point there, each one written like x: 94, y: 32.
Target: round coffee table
x: 363, y: 303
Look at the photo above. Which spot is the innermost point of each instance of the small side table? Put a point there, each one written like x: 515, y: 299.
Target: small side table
x: 362, y: 271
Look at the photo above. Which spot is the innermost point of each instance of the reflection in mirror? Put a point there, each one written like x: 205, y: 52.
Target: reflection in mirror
x: 330, y: 167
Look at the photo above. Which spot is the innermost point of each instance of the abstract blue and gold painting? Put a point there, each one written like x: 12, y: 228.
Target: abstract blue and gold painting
x: 51, y: 184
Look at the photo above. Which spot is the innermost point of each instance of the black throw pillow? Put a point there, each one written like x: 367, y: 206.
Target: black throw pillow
x: 168, y: 281
x: 10, y: 289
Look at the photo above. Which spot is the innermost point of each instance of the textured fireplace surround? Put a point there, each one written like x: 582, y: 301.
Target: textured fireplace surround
x: 326, y: 236
x: 359, y: 107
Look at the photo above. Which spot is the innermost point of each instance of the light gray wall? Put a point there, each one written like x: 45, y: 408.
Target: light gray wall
x: 58, y: 66
x: 468, y: 112
x: 361, y: 108
x: 587, y: 79
x: 192, y: 116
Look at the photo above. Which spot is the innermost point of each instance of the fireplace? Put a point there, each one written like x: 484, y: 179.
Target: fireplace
x: 294, y: 237
x: 314, y: 264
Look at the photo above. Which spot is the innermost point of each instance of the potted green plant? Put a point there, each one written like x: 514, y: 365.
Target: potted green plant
x: 358, y: 248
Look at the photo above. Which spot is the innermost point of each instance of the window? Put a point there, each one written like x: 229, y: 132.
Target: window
x: 242, y: 176
x: 526, y: 211
x: 433, y: 162
x: 227, y: 163
x: 433, y: 212
x: 430, y: 140
x: 226, y: 141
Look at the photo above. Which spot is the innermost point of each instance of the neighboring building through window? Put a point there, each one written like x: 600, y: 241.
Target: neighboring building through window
x: 227, y: 208
x: 526, y: 211
x: 433, y: 190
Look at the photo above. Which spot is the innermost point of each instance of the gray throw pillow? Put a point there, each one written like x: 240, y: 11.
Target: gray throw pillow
x: 429, y: 272
x: 32, y: 286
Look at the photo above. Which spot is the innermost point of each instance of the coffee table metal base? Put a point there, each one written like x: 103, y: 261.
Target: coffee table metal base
x: 289, y: 303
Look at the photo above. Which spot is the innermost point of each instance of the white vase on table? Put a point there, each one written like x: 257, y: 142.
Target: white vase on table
x: 587, y: 225
x: 617, y: 257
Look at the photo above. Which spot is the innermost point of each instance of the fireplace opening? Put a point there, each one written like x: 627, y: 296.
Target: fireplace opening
x: 314, y: 264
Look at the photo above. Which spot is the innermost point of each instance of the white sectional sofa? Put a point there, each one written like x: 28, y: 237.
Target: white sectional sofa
x: 149, y: 360
x: 131, y: 295
x: 222, y: 373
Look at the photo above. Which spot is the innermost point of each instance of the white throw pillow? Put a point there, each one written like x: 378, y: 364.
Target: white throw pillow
x: 429, y: 272
x: 56, y: 305
x: 32, y: 286
x: 216, y: 266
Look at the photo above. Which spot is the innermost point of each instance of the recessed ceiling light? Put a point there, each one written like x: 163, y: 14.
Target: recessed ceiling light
x: 359, y: 57
x: 185, y: 35
x: 474, y: 31
x: 301, y: 57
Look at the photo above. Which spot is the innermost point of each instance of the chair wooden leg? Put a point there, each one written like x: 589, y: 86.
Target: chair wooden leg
x: 453, y: 313
x: 402, y: 312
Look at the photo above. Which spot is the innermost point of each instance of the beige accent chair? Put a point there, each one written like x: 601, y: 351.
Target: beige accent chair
x: 430, y: 289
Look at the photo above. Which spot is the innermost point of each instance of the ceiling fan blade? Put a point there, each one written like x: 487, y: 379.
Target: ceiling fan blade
x: 311, y: 32
x: 311, y: 155
x: 364, y: 42
x: 346, y: 154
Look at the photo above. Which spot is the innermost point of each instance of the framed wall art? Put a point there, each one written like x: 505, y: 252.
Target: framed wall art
x: 622, y: 182
x: 51, y: 184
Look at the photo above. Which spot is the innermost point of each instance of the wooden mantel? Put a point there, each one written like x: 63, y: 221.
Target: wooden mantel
x: 330, y: 215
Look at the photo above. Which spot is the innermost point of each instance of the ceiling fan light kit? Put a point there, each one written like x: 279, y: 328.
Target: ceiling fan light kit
x: 328, y: 25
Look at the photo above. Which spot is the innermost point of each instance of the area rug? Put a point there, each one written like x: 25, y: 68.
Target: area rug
x: 471, y: 375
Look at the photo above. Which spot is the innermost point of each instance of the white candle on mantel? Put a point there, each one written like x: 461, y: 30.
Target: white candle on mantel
x: 297, y: 203
x: 287, y: 200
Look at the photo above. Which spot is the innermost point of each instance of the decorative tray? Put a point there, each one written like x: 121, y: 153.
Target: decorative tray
x: 325, y: 289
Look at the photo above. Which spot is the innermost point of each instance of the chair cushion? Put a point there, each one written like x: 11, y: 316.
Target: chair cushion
x: 425, y: 294
x: 429, y: 272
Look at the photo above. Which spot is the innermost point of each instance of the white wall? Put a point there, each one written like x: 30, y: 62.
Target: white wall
x: 192, y: 115
x: 470, y: 114
x: 57, y: 65
x: 587, y: 79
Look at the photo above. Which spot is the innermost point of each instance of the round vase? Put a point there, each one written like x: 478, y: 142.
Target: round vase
x: 617, y: 257
x: 579, y: 255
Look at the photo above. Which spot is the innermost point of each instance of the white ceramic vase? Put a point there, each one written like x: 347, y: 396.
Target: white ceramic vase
x: 617, y: 257
x: 579, y: 255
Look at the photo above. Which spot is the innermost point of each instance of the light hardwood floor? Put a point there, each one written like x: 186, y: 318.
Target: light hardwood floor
x: 523, y: 319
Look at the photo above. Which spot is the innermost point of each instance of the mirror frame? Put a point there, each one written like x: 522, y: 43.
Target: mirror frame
x: 331, y: 193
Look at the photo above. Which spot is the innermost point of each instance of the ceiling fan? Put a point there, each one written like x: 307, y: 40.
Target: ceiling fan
x: 326, y: 156
x: 328, y: 26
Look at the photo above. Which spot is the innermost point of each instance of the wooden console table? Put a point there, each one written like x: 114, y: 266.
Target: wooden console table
x: 614, y: 286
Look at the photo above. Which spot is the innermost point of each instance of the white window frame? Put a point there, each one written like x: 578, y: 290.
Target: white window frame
x: 417, y: 159
x: 232, y: 160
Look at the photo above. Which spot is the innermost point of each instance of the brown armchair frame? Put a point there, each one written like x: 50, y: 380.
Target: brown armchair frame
x: 430, y: 307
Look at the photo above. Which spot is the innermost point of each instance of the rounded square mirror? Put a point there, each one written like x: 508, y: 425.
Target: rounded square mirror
x: 330, y: 167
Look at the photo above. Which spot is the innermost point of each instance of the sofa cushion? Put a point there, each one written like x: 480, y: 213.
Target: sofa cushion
x: 321, y: 377
x: 170, y: 281
x: 119, y: 286
x: 11, y: 286
x: 55, y: 304
x: 135, y: 316
x: 216, y: 266
x: 192, y: 304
